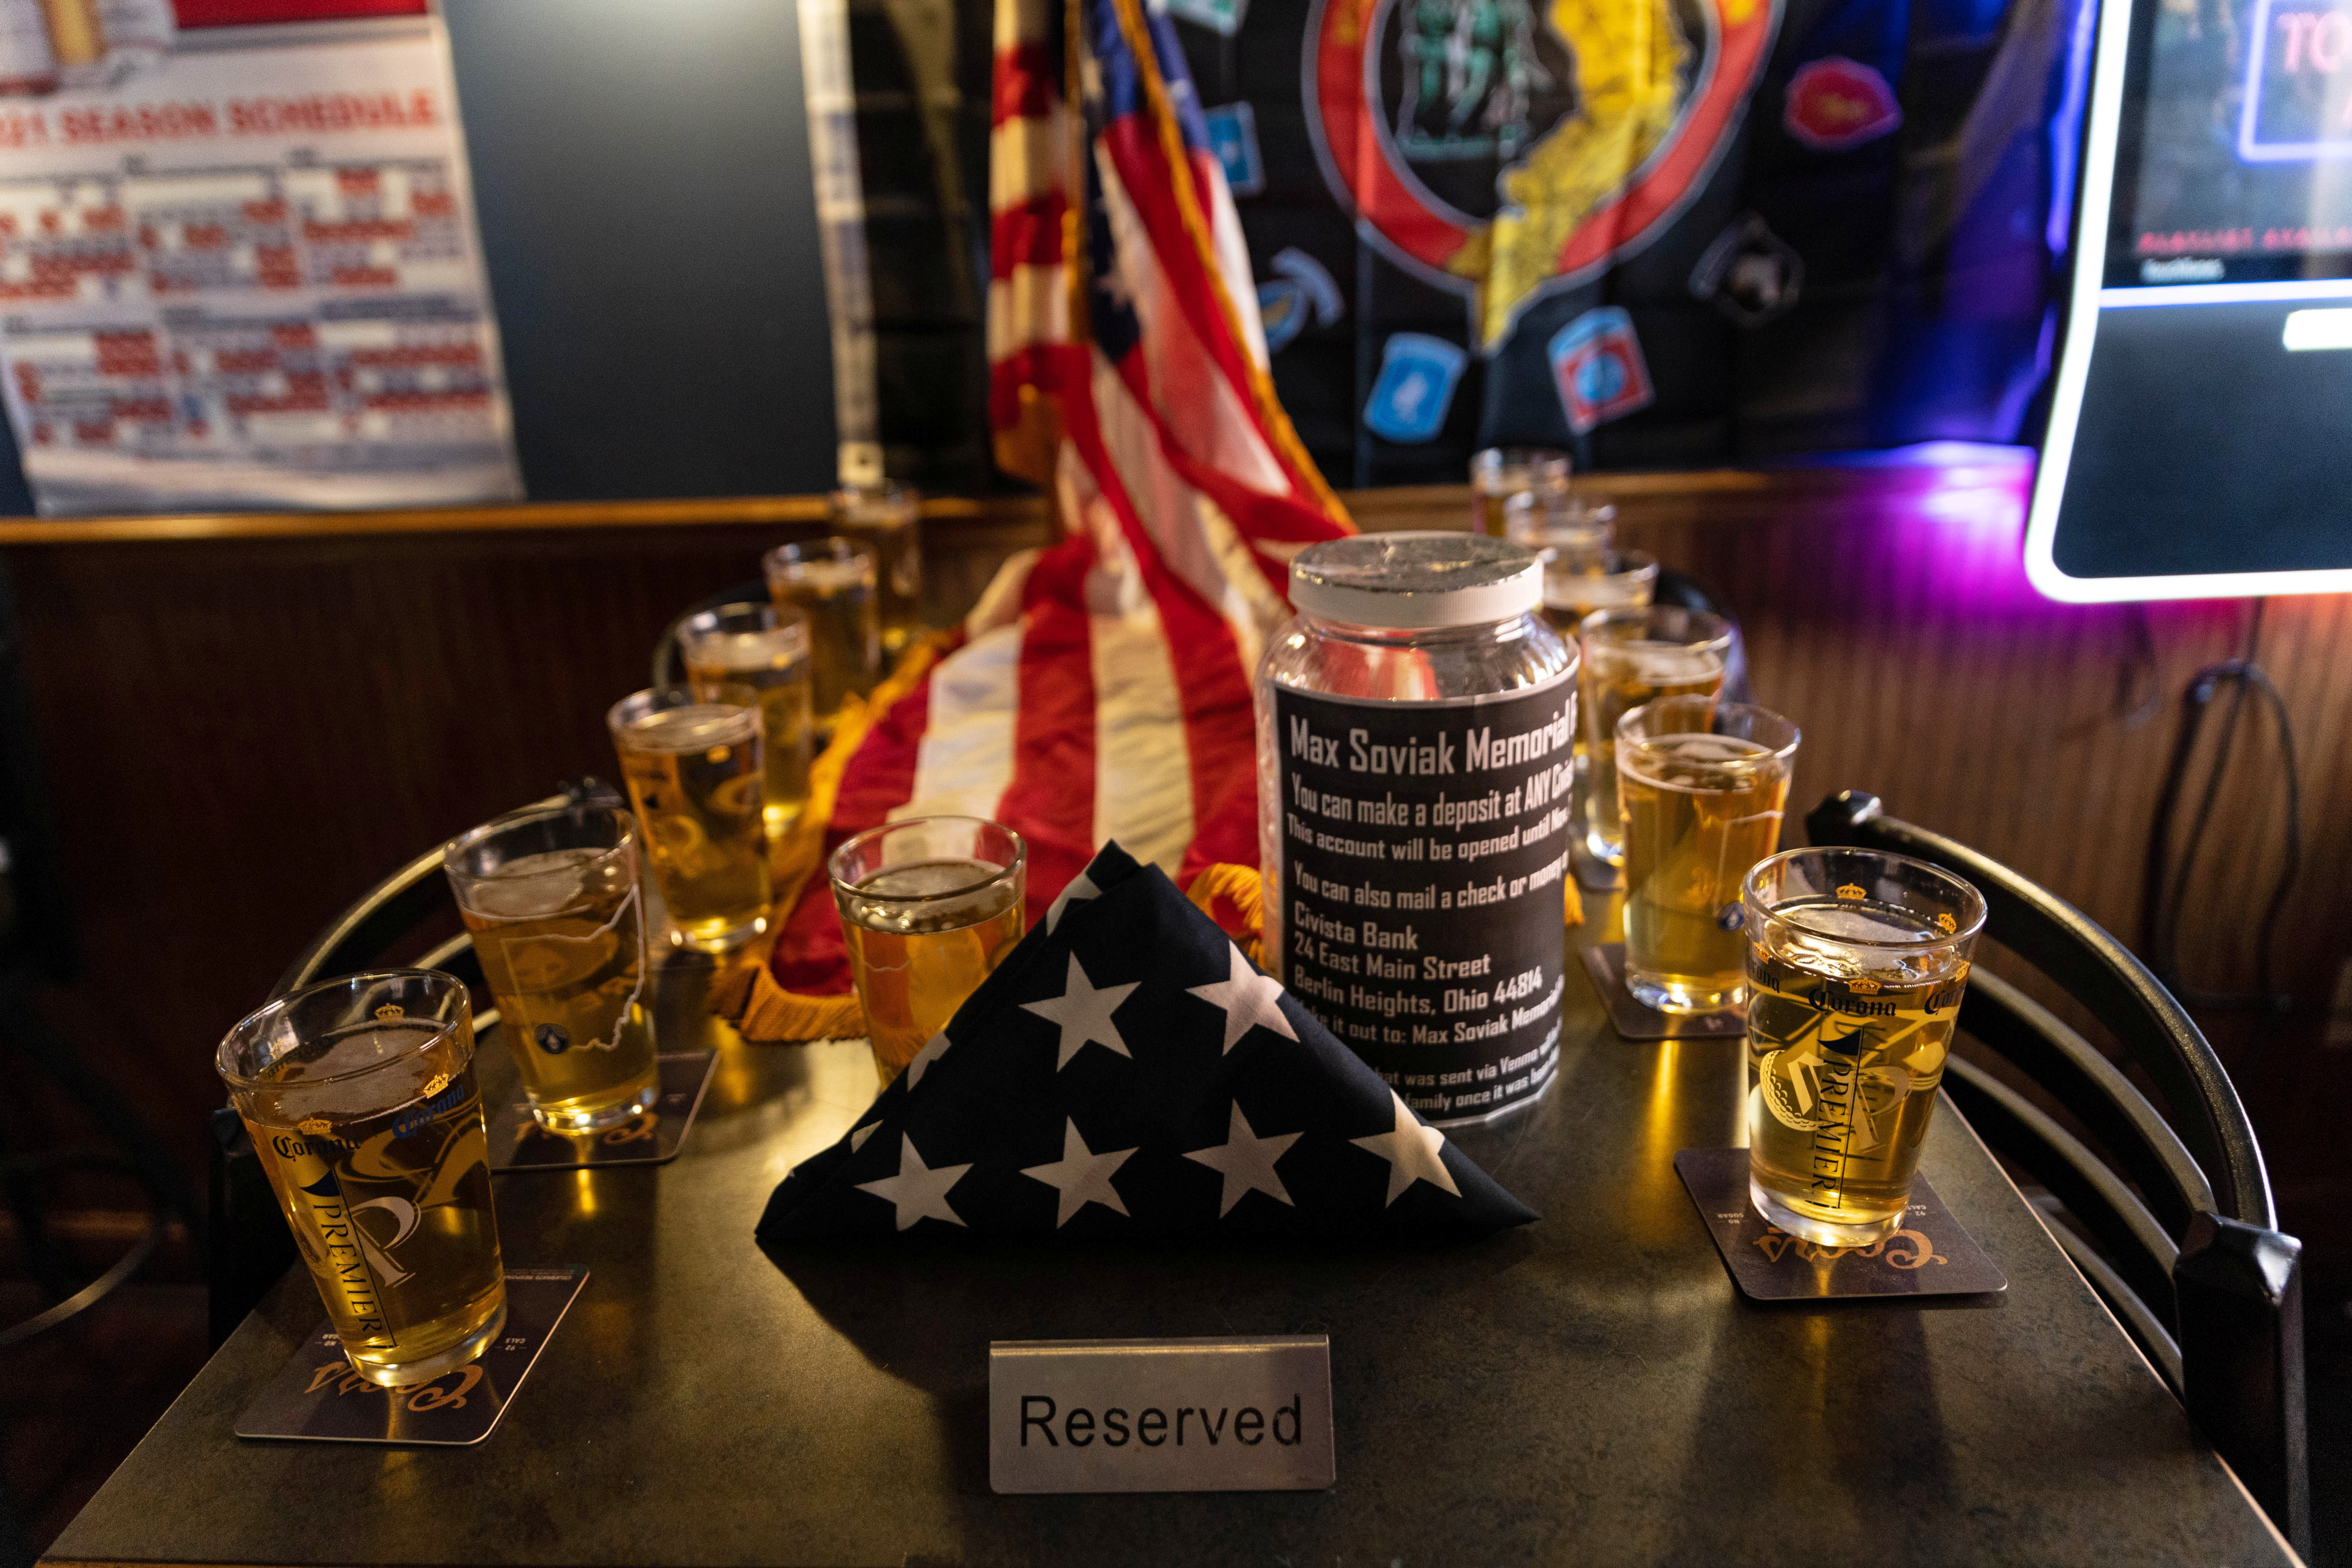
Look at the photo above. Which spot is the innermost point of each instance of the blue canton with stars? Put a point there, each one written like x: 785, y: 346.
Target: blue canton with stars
x: 1127, y: 1071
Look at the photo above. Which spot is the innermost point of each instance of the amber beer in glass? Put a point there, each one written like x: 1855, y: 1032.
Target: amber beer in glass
x: 1856, y: 962
x: 1499, y: 473
x: 1633, y: 657
x: 767, y: 649
x: 694, y: 775
x: 550, y: 897
x: 833, y: 583
x: 1700, y: 788
x: 360, y: 1098
x: 886, y: 517
x: 930, y: 906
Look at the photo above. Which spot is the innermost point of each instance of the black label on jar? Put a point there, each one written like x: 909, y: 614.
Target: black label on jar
x: 1424, y: 848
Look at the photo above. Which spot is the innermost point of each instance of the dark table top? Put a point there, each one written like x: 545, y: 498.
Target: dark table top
x: 1590, y: 1388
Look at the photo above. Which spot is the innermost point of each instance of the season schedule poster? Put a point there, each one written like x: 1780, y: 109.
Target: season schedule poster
x: 240, y: 267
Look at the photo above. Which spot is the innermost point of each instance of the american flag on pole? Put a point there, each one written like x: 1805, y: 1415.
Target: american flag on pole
x: 1126, y: 1072
x: 1102, y: 687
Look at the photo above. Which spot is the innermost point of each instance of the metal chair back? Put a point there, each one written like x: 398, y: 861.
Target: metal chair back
x: 2175, y: 1225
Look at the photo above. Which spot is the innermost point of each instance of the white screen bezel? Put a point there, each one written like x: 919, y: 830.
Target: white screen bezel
x: 2088, y: 285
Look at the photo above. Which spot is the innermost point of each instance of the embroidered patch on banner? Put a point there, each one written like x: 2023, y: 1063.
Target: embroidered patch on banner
x: 1233, y: 135
x: 1224, y: 16
x: 1505, y: 150
x: 1596, y: 363
x: 1835, y: 103
x: 1418, y: 375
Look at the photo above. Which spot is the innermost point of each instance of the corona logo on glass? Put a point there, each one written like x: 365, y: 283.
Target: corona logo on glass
x: 388, y: 1011
x: 1849, y: 890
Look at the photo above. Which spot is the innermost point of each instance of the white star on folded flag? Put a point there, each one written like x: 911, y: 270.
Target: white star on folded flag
x: 933, y: 1049
x: 1229, y: 1076
x: 1246, y: 1162
x: 1084, y: 1010
x: 919, y: 1192
x: 1080, y: 1176
x: 1415, y: 1151
x: 1248, y: 998
x: 1076, y: 888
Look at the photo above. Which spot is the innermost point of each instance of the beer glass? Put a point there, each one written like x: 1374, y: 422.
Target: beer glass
x: 886, y: 516
x: 1583, y: 570
x: 1700, y: 788
x: 767, y: 649
x: 930, y: 906
x: 1633, y: 657
x: 832, y: 582
x: 695, y: 773
x: 1856, y: 961
x: 1578, y: 534
x: 360, y: 1098
x: 1499, y: 473
x: 550, y: 897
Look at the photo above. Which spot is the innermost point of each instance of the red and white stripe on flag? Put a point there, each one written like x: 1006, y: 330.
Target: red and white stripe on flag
x: 1102, y: 689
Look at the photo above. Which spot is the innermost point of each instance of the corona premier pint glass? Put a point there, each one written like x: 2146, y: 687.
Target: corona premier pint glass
x: 359, y: 1094
x: 1856, y: 961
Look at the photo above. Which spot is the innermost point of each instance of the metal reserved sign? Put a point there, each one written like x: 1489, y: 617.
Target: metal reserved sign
x: 1160, y: 1415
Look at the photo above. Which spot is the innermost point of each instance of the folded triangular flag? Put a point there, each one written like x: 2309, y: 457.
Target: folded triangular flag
x: 1127, y: 1071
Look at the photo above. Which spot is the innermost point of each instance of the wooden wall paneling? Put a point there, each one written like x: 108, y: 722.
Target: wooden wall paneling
x: 248, y: 726
x: 243, y: 735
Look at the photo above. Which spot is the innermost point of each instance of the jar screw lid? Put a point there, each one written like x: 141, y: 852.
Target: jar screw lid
x: 1416, y: 579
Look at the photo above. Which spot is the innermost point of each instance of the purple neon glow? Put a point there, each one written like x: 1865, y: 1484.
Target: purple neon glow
x: 1955, y: 512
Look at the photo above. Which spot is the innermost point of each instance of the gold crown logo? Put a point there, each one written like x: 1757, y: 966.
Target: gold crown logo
x: 316, y: 1126
x: 1852, y: 890
x: 1865, y: 987
x: 1948, y: 924
x: 439, y: 1081
x: 390, y: 1010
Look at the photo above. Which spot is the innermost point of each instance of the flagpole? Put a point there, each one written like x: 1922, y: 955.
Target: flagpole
x: 832, y: 102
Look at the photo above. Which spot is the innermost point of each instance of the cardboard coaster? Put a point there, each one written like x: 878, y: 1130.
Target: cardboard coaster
x: 1930, y: 1255
x: 1605, y: 962
x: 518, y: 1142
x: 318, y: 1398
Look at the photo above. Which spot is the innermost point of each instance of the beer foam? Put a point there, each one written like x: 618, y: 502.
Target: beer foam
x: 533, y: 884
x: 1856, y: 924
x: 1704, y: 756
x: 401, y: 1072
x: 763, y: 650
x: 829, y: 578
x: 1829, y: 939
x: 689, y: 729
x: 1669, y: 664
x: 929, y: 879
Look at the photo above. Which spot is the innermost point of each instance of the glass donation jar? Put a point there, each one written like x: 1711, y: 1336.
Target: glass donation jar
x: 1415, y: 723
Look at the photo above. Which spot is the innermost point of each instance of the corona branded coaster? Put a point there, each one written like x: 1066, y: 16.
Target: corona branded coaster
x: 1605, y: 962
x: 1930, y: 1255
x: 519, y: 1143
x: 318, y: 1398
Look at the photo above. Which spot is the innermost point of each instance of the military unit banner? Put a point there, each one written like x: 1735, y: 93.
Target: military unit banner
x: 1667, y: 232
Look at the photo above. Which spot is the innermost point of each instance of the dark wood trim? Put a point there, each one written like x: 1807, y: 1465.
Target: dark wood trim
x: 1381, y: 509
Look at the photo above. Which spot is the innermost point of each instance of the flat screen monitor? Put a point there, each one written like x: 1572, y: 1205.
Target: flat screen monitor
x: 2201, y: 432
